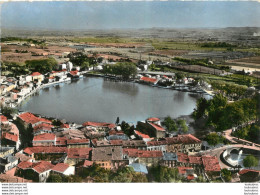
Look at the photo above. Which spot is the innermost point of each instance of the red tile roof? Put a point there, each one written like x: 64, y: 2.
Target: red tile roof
x: 48, y: 149
x: 14, y: 130
x: 32, y: 119
x: 22, y: 157
x: 183, y: 139
x: 25, y: 165
x: 11, y: 137
x: 60, y: 167
x: 36, y: 74
x: 190, y: 177
x: 153, y: 119
x: 45, y: 126
x: 42, y: 166
x: 81, y: 153
x: 183, y: 158
x: 248, y: 170
x: 97, y: 124
x: 195, y: 159
x: 114, y: 132
x: 157, y: 127
x: 74, y: 72
x: 61, y: 141
x: 182, y: 170
x: 78, y: 141
x: 87, y: 163
x: 142, y: 153
x: 45, y: 137
x: 5, y: 178
x: 64, y: 125
x: 116, y: 142
x: 211, y: 163
x: 3, y: 119
x: 156, y: 143
x: 141, y: 134
x: 58, y: 71
x: 147, y: 79
x: 11, y: 171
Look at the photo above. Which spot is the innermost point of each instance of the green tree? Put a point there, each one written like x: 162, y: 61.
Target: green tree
x: 183, y: 126
x: 179, y: 75
x: 164, y: 174
x: 85, y: 65
x: 124, y: 69
x: 139, y: 178
x: 72, y: 179
x: 127, y: 129
x: 123, y: 175
x: 152, y: 67
x: 170, y: 124
x: 7, y: 111
x: 54, y: 178
x: 42, y: 65
x: 250, y: 161
x: 214, y: 139
x: 200, y: 179
x: 201, y: 108
x: 226, y: 174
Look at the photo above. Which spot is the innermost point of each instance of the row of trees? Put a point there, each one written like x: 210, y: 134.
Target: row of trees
x: 221, y: 116
x: 230, y: 90
x: 20, y: 68
x: 175, y: 125
x: 202, y: 62
x: 122, y: 175
x: 123, y: 69
x: 214, y: 139
x: 218, y: 44
x: 42, y: 65
x: 82, y: 60
x: 250, y: 132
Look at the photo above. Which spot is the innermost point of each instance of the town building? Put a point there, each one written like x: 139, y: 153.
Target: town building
x: 99, y: 126
x: 152, y: 128
x: 63, y: 169
x: 149, y: 158
x: 183, y: 143
x: 27, y: 119
x: 78, y: 143
x: 46, y: 139
x: 36, y: 171
x: 76, y: 155
x: 36, y: 76
x: 108, y: 157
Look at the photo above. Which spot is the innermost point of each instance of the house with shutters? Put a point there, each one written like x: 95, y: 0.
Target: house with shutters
x: 46, y: 139
x: 36, y: 171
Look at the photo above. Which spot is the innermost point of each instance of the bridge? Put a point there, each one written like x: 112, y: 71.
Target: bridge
x: 218, y: 151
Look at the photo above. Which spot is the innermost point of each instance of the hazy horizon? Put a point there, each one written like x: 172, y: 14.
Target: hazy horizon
x: 80, y: 16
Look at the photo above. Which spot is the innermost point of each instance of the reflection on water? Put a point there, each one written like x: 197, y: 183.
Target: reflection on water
x: 94, y: 99
x: 125, y: 88
x: 179, y: 96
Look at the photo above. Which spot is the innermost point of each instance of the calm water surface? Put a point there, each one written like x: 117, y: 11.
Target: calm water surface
x: 95, y: 99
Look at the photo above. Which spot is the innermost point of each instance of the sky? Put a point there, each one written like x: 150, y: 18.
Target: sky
x: 123, y: 15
